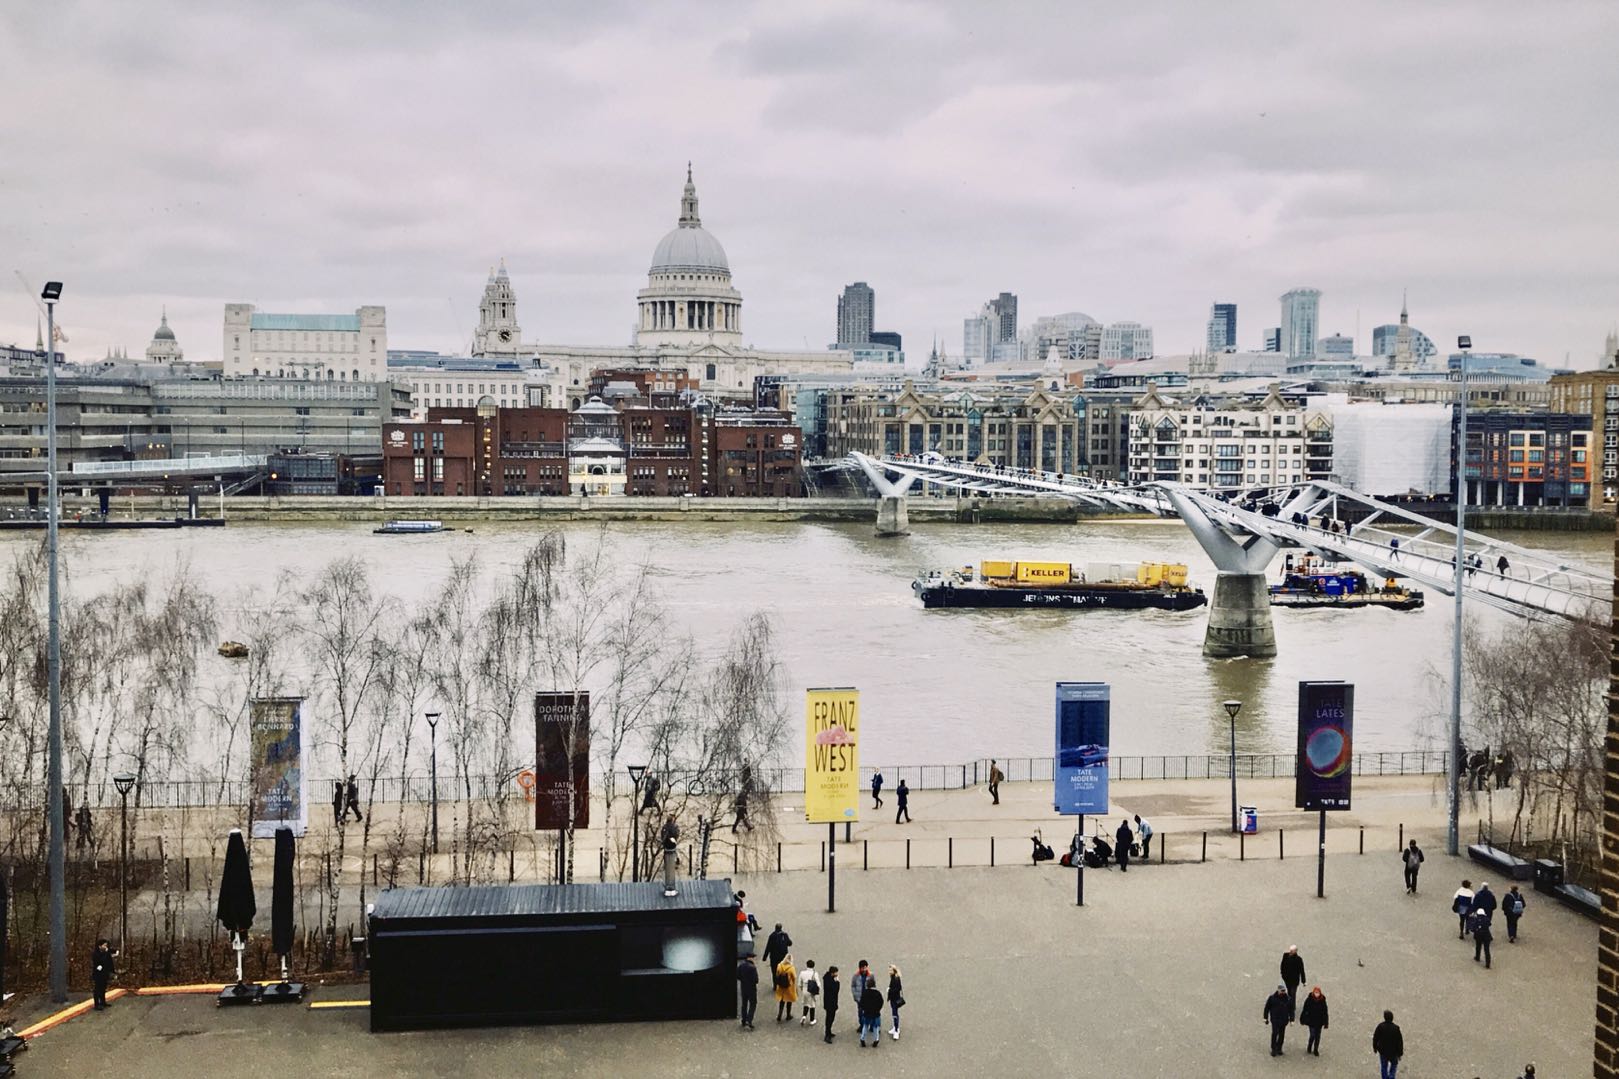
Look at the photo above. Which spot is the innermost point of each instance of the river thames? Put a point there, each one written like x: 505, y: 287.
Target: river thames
x: 937, y: 686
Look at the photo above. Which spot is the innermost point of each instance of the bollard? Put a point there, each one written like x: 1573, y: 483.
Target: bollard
x: 847, y: 831
x: 1363, y: 839
x: 907, y: 854
x: 1281, y: 843
x: 823, y: 856
x: 1161, y: 841
x: 951, y: 856
x: 992, y: 852
x: 1402, y: 837
x: 778, y: 857
x: 1242, y: 846
x: 865, y: 854
x: 1205, y: 855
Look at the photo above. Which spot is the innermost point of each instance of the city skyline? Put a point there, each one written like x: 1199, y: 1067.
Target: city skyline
x: 330, y: 176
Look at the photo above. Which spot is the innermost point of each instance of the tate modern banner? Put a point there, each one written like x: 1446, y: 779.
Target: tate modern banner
x: 831, y: 755
x: 1083, y: 738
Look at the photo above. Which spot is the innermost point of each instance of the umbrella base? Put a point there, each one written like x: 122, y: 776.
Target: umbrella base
x: 284, y: 993
x: 248, y: 993
x: 10, y: 1047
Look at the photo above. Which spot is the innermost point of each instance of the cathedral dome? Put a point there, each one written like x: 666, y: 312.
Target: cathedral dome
x: 163, y: 332
x: 689, y: 248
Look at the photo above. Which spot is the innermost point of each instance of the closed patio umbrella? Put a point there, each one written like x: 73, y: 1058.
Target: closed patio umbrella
x: 237, y: 905
x: 281, y: 928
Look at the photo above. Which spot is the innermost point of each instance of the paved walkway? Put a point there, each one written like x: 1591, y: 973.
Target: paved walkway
x: 1163, y: 973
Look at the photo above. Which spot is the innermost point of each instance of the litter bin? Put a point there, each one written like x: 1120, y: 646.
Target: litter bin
x: 1248, y: 817
x: 358, y: 944
x: 1548, y: 874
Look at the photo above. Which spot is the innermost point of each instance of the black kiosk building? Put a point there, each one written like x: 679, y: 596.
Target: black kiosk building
x: 546, y: 953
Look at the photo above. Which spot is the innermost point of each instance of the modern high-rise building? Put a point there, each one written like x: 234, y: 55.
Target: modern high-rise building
x: 1126, y: 341
x: 888, y: 339
x: 1273, y: 339
x: 856, y: 309
x: 1301, y: 321
x: 1004, y: 308
x: 979, y: 335
x: 1222, y: 327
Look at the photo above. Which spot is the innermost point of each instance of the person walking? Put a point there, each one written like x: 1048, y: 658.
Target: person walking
x: 1484, y: 899
x: 786, y: 987
x: 1292, y: 976
x: 902, y: 795
x: 740, y: 813
x: 896, y: 999
x: 337, y: 802
x: 1389, y: 1046
x: 1394, y: 550
x: 1314, y: 1018
x: 858, y: 985
x: 776, y: 947
x: 1512, y: 905
x: 1122, y: 851
x: 747, y: 977
x: 102, y: 968
x: 1277, y: 1015
x: 1479, y: 922
x: 995, y: 777
x: 352, y: 796
x: 809, y: 985
x: 830, y: 988
x: 1144, y: 830
x: 871, y: 1013
x: 1462, y: 904
x: 876, y: 790
x: 1502, y: 566
x: 1412, y: 857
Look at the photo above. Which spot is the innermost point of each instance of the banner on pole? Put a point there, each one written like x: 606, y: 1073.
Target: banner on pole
x: 1083, y: 739
x: 1326, y: 745
x: 831, y: 755
x: 561, y: 761
x: 275, y: 745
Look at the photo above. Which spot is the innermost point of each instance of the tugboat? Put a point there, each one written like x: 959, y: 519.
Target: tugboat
x: 1310, y: 582
x: 1105, y: 585
x: 408, y: 528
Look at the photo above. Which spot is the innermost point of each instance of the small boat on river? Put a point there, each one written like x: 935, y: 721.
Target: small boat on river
x: 1097, y: 585
x: 1311, y: 583
x: 409, y: 528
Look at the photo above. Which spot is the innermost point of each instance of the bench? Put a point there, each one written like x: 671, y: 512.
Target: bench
x: 1514, y: 867
x: 1581, y: 899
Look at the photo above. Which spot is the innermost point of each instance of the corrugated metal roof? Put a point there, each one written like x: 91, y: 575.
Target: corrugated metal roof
x: 519, y: 900
x: 349, y: 323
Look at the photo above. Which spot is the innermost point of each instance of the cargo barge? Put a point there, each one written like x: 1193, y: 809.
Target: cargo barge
x: 1313, y: 584
x: 1058, y: 585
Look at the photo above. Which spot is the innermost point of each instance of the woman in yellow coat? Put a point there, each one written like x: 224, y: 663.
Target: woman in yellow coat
x: 786, y: 981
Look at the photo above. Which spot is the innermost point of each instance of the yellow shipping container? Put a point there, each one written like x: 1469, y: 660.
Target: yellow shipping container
x: 992, y: 571
x: 1150, y: 574
x: 1043, y: 572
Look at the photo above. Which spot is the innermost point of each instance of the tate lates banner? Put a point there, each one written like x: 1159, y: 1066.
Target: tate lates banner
x: 1083, y: 738
x: 1326, y: 745
x: 275, y: 742
x: 831, y: 755
x: 561, y: 760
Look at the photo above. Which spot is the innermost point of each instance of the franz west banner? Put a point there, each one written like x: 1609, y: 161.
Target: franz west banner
x: 831, y: 755
x: 1079, y: 779
x: 275, y: 743
x: 1326, y: 745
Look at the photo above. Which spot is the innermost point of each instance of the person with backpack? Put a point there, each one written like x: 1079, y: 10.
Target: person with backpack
x: 1512, y: 905
x: 1479, y: 923
x: 786, y: 987
x: 776, y: 946
x: 871, y: 1013
x: 1313, y: 1016
x: 1144, y: 830
x: 810, y: 985
x: 1461, y: 904
x: 1412, y: 857
x: 832, y: 986
x: 876, y: 790
x: 747, y: 976
x: 896, y: 998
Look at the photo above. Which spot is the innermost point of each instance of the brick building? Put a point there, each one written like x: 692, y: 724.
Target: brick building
x: 596, y: 450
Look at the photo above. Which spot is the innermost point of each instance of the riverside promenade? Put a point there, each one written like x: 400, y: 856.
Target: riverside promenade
x: 1161, y: 974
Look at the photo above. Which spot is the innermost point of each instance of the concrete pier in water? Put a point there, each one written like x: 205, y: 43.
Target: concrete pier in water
x: 1239, y: 617
x: 893, y: 518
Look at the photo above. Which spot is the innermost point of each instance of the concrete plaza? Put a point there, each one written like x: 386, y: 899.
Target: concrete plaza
x: 1162, y: 973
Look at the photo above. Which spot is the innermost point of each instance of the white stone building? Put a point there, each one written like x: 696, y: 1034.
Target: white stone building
x: 438, y: 381
x: 336, y: 348
x: 1226, y: 445
x: 1122, y: 341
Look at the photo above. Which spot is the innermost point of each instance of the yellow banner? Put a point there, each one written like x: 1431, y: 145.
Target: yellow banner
x: 831, y: 755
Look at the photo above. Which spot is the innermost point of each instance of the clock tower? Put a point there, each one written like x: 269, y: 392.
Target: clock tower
x: 498, y: 333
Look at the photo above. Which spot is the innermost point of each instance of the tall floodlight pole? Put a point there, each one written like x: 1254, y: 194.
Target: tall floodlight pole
x: 1452, y: 840
x: 53, y: 782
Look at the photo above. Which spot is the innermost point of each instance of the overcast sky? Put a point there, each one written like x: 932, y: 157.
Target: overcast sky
x: 1129, y: 161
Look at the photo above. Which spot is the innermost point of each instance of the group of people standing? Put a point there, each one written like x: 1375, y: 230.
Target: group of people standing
x: 815, y: 992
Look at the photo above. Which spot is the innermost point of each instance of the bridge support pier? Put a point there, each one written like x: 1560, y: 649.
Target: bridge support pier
x: 1239, y: 617
x: 893, y: 519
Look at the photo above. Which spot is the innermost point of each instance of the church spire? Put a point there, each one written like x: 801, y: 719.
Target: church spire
x: 1405, y: 317
x: 39, y: 336
x: 688, y: 204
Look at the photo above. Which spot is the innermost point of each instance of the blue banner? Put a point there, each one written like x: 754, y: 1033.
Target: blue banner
x: 1080, y: 775
x: 1326, y: 745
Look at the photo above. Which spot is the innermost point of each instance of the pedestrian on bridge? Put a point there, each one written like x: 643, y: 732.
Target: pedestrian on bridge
x: 1502, y: 566
x: 1394, y: 549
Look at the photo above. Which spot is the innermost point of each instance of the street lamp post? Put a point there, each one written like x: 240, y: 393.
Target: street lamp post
x: 124, y: 782
x: 1231, y: 710
x: 432, y: 726
x: 53, y: 781
x: 637, y: 773
x: 1454, y: 799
